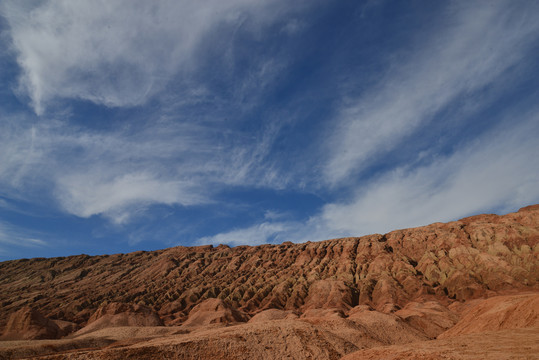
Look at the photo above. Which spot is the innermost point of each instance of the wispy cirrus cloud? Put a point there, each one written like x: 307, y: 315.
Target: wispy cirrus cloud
x: 121, y: 53
x: 471, y: 48
x: 11, y: 236
x: 496, y: 172
x: 118, y: 173
x: 263, y: 233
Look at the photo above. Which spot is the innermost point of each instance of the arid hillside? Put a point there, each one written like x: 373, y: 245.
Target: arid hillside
x: 461, y: 260
x: 319, y: 300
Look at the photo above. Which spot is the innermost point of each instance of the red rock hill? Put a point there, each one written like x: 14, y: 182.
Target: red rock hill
x: 462, y: 260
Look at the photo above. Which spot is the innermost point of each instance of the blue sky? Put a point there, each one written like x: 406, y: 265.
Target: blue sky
x: 129, y: 125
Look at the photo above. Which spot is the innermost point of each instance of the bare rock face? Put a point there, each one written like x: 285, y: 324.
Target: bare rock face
x: 385, y: 328
x: 430, y: 317
x: 410, y: 277
x: 29, y: 324
x: 471, y: 285
x: 120, y: 314
x: 498, y: 313
x: 67, y: 327
x: 273, y: 314
x: 323, y: 314
x: 214, y: 312
x: 504, y: 344
x: 327, y: 294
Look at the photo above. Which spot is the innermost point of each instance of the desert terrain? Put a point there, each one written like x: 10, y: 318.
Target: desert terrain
x: 467, y: 289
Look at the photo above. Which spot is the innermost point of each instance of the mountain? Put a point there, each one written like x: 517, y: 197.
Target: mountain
x: 321, y: 299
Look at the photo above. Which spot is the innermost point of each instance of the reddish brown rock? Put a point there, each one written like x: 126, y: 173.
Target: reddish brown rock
x: 500, y: 345
x: 214, y: 312
x: 67, y: 327
x: 498, y: 313
x: 119, y: 314
x: 272, y: 315
x: 328, y: 294
x: 323, y: 314
x: 352, y: 293
x: 29, y: 324
x: 429, y: 317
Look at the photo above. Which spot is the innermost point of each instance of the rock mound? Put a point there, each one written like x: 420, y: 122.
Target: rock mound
x: 67, y: 327
x: 479, y: 256
x: 385, y: 328
x: 273, y: 314
x: 504, y: 344
x: 430, y: 317
x: 29, y: 324
x: 323, y: 314
x: 121, y: 314
x: 214, y: 312
x: 498, y: 313
x: 328, y: 294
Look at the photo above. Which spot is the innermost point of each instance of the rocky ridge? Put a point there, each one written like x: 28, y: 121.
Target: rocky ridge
x: 319, y: 300
x: 462, y: 260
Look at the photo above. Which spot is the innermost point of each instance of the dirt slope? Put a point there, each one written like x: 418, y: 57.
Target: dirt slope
x: 498, y: 313
x: 461, y: 260
x: 499, y: 345
x: 322, y: 300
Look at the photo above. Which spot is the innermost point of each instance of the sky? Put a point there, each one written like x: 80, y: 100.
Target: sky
x: 141, y: 125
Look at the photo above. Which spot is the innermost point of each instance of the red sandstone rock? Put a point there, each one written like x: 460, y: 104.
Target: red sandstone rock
x: 119, y: 314
x: 475, y: 257
x: 404, y: 286
x: 498, y: 313
x: 430, y: 317
x: 273, y: 314
x: 214, y: 312
x: 29, y: 324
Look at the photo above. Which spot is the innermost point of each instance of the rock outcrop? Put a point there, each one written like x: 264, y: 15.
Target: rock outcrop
x: 471, y: 258
x: 450, y: 282
x: 214, y: 312
x: 497, y: 313
x: 119, y: 314
x: 430, y: 317
x: 29, y: 324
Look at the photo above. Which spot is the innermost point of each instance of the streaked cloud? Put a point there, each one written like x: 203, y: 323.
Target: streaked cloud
x: 266, y: 232
x: 497, y: 172
x: 121, y: 53
x: 247, y: 122
x: 93, y: 172
x: 472, y: 47
x: 13, y: 236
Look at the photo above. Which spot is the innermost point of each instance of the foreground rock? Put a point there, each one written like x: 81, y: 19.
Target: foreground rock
x: 499, y: 345
x: 430, y: 317
x: 319, y: 300
x: 326, y: 335
x: 214, y: 312
x: 29, y: 324
x: 119, y: 314
x: 497, y: 313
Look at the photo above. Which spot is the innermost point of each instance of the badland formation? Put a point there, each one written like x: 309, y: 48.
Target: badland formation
x: 467, y: 289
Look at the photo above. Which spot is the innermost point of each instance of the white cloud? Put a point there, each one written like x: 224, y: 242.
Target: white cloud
x: 477, y: 43
x: 496, y: 172
x: 86, y: 194
x: 14, y: 236
x: 120, y: 173
x: 119, y: 53
x: 263, y: 233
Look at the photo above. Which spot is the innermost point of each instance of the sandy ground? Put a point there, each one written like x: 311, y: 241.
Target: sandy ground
x: 270, y: 340
x: 504, y: 344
